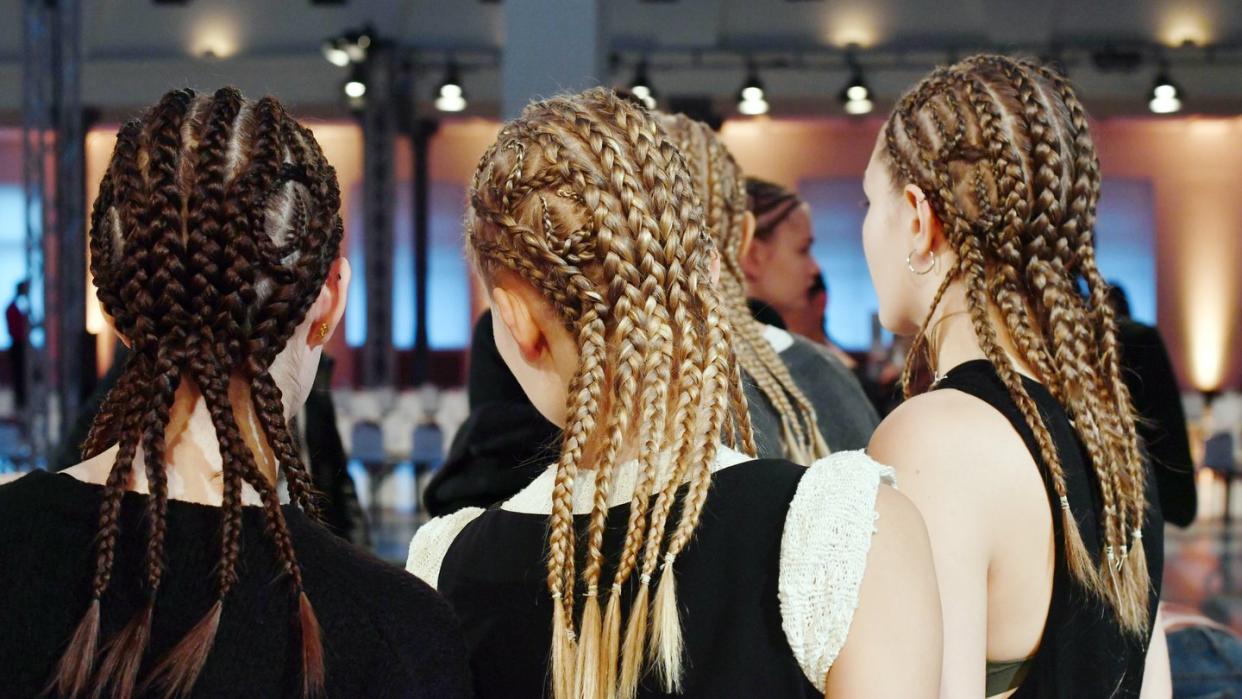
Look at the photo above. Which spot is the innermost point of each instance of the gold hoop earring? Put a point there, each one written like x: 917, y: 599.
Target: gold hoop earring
x: 920, y: 272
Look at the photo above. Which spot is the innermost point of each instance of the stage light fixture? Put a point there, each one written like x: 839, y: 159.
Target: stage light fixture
x: 355, y: 88
x: 334, y: 51
x: 751, y: 99
x: 450, y: 96
x: 1166, y: 97
x: 641, y: 87
x: 856, y: 96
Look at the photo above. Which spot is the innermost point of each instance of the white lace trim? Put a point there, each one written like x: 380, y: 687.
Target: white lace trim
x: 536, y: 498
x: 824, y: 554
x: 432, y: 540
x: 780, y: 340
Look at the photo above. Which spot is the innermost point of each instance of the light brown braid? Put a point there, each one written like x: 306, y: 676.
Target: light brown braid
x: 722, y: 192
x: 585, y: 199
x: 1002, y: 150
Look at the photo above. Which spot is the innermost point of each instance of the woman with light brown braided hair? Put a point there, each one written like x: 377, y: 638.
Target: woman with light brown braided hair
x: 1023, y: 459
x: 802, y: 401
x: 584, y: 226
x: 214, y: 248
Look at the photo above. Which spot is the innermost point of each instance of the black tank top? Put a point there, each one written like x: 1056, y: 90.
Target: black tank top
x: 1083, y: 652
x: 494, y: 573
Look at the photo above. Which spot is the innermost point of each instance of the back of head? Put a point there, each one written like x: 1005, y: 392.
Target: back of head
x: 585, y: 199
x: 722, y: 190
x: 213, y: 233
x: 770, y: 203
x: 1002, y: 150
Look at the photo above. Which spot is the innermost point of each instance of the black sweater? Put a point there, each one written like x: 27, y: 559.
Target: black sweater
x: 385, y: 633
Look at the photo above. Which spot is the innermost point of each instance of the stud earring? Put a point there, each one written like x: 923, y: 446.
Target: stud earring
x: 920, y: 272
x: 324, y: 329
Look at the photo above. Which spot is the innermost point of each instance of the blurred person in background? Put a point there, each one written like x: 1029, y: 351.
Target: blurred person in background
x: 1149, y: 375
x: 17, y: 317
x: 803, y: 401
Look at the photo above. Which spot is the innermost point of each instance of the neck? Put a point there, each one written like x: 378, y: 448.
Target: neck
x: 952, y: 341
x: 192, y: 454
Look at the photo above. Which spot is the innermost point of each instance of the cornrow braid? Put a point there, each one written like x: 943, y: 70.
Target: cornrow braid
x: 1002, y: 150
x: 216, y: 226
x: 722, y: 193
x: 585, y: 199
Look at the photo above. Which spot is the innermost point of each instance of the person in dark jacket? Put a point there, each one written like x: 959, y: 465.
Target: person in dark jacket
x: 1148, y: 374
x: 503, y: 445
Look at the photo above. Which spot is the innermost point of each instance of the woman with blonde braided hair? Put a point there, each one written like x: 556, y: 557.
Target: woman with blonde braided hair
x: 651, y: 559
x: 1023, y: 457
x: 802, y: 401
x: 165, y: 564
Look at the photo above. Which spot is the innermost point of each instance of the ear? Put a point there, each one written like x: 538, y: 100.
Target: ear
x: 926, y: 231
x: 748, y: 234
x: 329, y: 308
x: 112, y: 326
x: 751, y: 255
x: 515, y: 312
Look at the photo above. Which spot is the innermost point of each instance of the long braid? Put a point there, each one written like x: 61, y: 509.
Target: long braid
x: 1001, y: 148
x: 722, y: 190
x: 125, y: 289
x: 585, y: 199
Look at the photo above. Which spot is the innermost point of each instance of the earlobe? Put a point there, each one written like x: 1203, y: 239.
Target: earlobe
x: 330, y: 307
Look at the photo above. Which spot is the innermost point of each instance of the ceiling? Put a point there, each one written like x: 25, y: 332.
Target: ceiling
x: 134, y: 49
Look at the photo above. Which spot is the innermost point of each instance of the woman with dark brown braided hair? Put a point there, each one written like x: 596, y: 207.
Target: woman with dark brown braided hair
x: 1023, y: 457
x: 651, y: 559
x: 215, y: 252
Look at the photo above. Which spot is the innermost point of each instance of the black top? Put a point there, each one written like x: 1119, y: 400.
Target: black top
x: 494, y: 575
x: 1083, y: 652
x: 503, y: 445
x: 385, y: 633
x: 1148, y: 374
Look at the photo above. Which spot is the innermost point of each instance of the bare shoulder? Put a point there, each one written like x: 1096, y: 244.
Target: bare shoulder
x: 898, y: 515
x: 948, y: 434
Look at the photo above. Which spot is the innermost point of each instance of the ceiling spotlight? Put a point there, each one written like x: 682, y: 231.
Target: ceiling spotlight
x: 357, y: 43
x: 1165, y: 95
x: 334, y: 51
x: 355, y: 88
x: 856, y: 96
x: 350, y: 47
x: 641, y: 87
x: 450, y: 97
x: 751, y: 99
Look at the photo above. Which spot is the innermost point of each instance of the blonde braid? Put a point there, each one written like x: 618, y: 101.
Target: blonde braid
x: 584, y: 198
x: 722, y: 190
x: 1002, y: 148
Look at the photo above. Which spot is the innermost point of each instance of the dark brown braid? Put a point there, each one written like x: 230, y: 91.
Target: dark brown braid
x: 1002, y: 151
x: 215, y: 228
